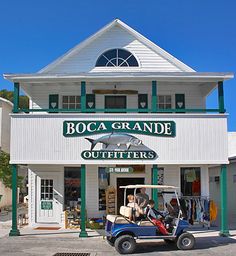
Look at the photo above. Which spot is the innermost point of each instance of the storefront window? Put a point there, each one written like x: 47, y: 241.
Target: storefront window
x: 72, y: 186
x: 190, y: 181
x: 103, y: 183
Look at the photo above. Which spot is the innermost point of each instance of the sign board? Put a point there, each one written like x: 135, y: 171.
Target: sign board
x: 119, y: 169
x: 118, y: 144
x: 151, y: 128
x: 118, y: 155
x: 46, y: 205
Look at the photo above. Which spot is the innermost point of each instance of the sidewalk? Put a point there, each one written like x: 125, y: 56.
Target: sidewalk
x: 48, y: 243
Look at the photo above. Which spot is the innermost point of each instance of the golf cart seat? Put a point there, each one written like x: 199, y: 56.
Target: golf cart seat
x: 117, y: 219
x: 146, y: 223
x: 126, y: 212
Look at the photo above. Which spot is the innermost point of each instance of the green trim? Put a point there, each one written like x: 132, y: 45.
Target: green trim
x: 221, y: 97
x: 14, y: 230
x: 142, y: 99
x: 83, y: 96
x: 62, y: 110
x: 155, y: 182
x: 83, y: 232
x: 79, y: 128
x: 154, y: 96
x: 180, y: 98
x: 16, y: 95
x: 118, y: 155
x: 224, y: 229
x: 112, y: 110
x: 90, y: 99
x: 53, y: 99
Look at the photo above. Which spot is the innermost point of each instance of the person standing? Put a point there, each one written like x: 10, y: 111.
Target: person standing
x: 142, y: 198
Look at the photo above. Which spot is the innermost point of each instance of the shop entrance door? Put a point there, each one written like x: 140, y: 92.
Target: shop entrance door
x: 47, y: 203
x: 120, y: 191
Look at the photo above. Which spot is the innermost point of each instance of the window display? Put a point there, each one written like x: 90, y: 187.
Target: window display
x: 103, y: 183
x: 190, y: 181
x: 72, y: 187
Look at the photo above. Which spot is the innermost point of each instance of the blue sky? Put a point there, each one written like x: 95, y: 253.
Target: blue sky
x: 200, y: 33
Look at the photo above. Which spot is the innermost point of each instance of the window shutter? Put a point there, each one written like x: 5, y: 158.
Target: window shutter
x: 53, y: 101
x: 90, y: 101
x: 180, y: 101
x: 143, y: 101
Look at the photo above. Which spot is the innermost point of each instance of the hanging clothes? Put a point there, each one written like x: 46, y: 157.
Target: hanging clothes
x: 198, y: 209
x: 213, y: 211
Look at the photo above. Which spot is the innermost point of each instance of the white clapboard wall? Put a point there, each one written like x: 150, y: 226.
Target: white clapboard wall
x: 38, y: 139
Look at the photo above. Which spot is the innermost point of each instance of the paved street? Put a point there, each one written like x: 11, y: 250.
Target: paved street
x: 47, y: 244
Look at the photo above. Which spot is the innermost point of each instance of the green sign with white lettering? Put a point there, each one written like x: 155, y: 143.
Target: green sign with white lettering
x: 118, y: 155
x: 46, y: 205
x: 152, y: 128
x: 119, y: 169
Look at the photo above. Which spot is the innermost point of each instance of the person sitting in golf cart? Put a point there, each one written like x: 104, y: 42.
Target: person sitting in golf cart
x: 155, y: 217
x: 136, y: 210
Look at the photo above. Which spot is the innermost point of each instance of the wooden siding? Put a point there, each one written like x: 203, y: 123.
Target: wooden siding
x: 37, y: 170
x: 5, y: 110
x: 32, y: 197
x: 85, y: 59
x: 232, y: 144
x: 38, y: 139
x: 193, y: 95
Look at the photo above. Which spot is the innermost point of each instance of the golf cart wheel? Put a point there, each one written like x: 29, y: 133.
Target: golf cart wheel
x: 125, y: 244
x: 111, y: 241
x: 186, y: 241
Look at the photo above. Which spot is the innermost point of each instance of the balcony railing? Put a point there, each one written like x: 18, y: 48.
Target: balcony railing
x: 120, y: 110
x: 153, y: 108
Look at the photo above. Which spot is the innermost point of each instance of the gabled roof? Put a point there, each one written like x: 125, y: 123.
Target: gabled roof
x: 127, y: 28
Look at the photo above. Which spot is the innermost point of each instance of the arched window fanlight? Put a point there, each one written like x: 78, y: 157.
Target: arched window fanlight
x: 117, y: 58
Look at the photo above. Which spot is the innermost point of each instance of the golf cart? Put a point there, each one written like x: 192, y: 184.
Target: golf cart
x: 123, y: 230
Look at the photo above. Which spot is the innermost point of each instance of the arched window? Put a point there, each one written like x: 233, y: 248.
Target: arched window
x: 117, y: 58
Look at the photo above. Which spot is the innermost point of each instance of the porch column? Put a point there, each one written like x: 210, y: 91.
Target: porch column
x: 224, y: 229
x: 83, y: 96
x: 16, y: 95
x: 14, y: 230
x: 83, y: 232
x: 154, y: 96
x: 155, y: 182
x: 221, y: 97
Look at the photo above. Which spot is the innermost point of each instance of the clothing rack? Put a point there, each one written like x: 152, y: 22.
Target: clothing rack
x: 189, y: 197
x: 200, y: 198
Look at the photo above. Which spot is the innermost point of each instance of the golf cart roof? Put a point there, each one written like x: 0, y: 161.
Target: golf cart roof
x: 150, y: 186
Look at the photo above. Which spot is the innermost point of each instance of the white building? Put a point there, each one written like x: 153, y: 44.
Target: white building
x: 5, y: 123
x: 114, y: 100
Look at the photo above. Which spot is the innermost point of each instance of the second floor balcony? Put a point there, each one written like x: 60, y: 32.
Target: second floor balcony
x: 119, y: 93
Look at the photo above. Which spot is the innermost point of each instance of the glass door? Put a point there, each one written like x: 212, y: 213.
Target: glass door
x: 115, y: 102
x: 47, y: 200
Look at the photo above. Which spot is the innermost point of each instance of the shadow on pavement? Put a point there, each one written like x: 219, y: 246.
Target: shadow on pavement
x: 60, y: 233
x: 201, y: 244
